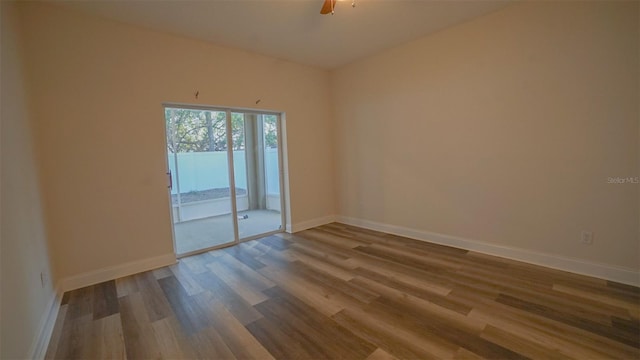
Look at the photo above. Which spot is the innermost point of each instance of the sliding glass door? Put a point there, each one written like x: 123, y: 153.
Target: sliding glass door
x: 257, y: 167
x: 224, y: 168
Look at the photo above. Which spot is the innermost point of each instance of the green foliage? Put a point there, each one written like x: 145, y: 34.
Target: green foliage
x: 201, y: 130
x: 204, y: 130
x: 270, y: 131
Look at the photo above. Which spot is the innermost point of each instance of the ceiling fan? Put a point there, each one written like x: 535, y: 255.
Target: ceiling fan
x: 329, y: 6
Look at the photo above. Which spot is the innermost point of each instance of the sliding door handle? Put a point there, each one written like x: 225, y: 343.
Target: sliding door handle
x: 170, y: 180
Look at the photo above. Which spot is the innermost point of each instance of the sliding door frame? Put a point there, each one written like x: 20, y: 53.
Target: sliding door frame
x: 232, y: 180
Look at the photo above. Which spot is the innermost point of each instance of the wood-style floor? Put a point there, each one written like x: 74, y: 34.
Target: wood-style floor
x: 340, y: 292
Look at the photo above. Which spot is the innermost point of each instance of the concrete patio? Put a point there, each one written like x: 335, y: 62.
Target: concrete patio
x: 218, y: 230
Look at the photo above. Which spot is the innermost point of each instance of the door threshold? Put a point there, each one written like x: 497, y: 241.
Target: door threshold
x: 222, y: 246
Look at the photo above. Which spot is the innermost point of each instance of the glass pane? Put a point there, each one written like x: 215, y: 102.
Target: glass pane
x: 257, y: 173
x: 198, y: 161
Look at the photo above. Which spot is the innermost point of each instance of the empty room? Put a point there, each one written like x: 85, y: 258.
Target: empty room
x: 320, y: 179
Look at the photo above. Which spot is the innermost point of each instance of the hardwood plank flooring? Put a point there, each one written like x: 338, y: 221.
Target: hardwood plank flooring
x: 341, y: 292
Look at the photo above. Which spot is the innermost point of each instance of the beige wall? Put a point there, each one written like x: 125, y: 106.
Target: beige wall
x: 23, y: 250
x: 502, y: 130
x: 98, y: 89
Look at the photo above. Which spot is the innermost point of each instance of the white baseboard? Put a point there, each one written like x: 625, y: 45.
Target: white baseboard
x: 304, y: 225
x: 45, y: 327
x: 114, y: 272
x: 608, y: 272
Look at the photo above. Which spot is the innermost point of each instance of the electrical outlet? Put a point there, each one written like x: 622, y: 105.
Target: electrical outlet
x: 587, y: 237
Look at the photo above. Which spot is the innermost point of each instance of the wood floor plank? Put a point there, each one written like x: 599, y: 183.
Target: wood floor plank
x: 628, y: 289
x: 309, y: 326
x: 208, y: 344
x: 80, y: 303
x: 137, y: 330
x: 380, y: 354
x: 341, y: 292
x: 616, y: 334
x: 573, y: 342
x: 570, y: 340
x: 382, y: 270
x: 275, y: 257
x: 391, y: 338
x: 276, y: 242
x: 244, y: 257
x: 582, y: 306
x: 183, y: 273
x: 332, y: 239
x: 250, y: 277
x: 256, y: 249
x: 466, y: 337
x: 105, y: 300
x: 65, y: 298
x: 507, y: 279
x: 280, y: 344
x: 170, y: 346
x: 521, y: 345
x: 337, y: 285
x: 197, y: 264
x: 401, y: 271
x: 415, y: 256
x: 427, y: 308
x: 106, y: 338
x: 236, y: 281
x: 631, y: 326
x: 75, y: 338
x: 316, y: 296
x: 596, y: 287
x: 184, y: 307
x: 318, y: 247
x: 464, y: 354
x: 234, y: 333
x: 156, y: 304
x: 323, y: 265
x: 127, y: 285
x: 628, y: 304
x: 161, y: 273
x: 305, y: 275
x: 240, y: 308
x: 408, y: 288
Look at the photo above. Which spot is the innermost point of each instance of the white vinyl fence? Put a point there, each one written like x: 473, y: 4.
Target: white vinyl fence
x: 208, y: 170
x: 198, y: 171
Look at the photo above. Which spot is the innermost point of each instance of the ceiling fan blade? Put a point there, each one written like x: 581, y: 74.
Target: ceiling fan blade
x: 328, y: 7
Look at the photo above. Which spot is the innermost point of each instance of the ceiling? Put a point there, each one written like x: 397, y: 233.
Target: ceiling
x: 294, y: 30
